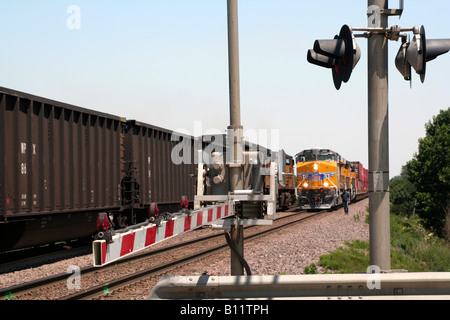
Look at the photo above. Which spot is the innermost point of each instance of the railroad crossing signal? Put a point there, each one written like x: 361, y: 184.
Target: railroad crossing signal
x: 418, y: 52
x: 340, y: 54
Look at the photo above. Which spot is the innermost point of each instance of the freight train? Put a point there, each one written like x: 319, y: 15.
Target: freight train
x: 322, y: 177
x: 68, y: 172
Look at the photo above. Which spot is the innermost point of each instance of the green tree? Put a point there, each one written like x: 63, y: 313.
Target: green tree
x: 429, y: 171
x: 402, y: 194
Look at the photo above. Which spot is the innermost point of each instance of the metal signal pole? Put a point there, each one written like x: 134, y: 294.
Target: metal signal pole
x: 235, y: 133
x: 378, y: 101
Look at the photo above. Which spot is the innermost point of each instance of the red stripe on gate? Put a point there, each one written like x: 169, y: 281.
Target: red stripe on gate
x: 187, y: 223
x: 150, y: 237
x: 210, y: 215
x: 104, y: 246
x: 127, y: 244
x: 219, y: 212
x: 169, y: 228
x: 199, y: 218
x: 226, y: 211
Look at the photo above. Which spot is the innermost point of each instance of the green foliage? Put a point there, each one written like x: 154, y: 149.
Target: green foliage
x: 354, y: 258
x: 311, y: 269
x: 416, y: 249
x: 424, y: 185
x: 412, y: 248
x: 402, y: 195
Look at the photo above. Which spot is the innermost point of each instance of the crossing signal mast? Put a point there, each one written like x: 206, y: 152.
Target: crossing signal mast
x: 418, y: 52
x: 341, y: 54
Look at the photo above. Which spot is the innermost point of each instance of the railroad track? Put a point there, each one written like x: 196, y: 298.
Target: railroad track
x: 43, y: 288
x: 25, y: 259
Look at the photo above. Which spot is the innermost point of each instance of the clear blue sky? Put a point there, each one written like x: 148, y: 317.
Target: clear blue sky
x: 164, y: 62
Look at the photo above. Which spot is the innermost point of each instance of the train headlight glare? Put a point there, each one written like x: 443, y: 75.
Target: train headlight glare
x: 325, y: 184
x: 316, y: 166
x: 305, y: 185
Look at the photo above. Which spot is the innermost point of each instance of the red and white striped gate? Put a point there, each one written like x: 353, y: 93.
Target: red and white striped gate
x: 135, y: 240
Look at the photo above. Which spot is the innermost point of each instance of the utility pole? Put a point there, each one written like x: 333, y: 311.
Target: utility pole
x: 378, y: 102
x: 235, y: 133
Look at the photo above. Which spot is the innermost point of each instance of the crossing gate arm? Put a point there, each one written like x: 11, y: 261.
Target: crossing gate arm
x: 125, y: 244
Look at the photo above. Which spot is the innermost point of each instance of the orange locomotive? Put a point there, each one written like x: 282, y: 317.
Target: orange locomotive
x: 322, y: 177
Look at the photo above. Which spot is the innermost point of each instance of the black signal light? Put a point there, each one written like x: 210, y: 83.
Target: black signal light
x: 340, y: 54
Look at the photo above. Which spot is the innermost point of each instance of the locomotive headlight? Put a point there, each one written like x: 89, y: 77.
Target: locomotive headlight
x: 316, y: 166
x: 305, y: 185
x: 325, y: 184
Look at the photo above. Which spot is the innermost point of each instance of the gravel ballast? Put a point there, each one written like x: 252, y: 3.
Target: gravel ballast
x: 294, y: 248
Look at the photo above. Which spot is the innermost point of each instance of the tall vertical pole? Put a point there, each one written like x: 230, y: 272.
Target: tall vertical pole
x: 233, y: 63
x: 378, y: 95
x: 235, y: 132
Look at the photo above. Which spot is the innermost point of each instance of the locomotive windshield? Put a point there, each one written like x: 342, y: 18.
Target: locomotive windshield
x: 306, y: 156
x: 317, y: 154
x: 326, y: 157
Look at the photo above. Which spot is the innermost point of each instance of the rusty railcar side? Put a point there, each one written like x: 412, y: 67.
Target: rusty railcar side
x: 60, y: 166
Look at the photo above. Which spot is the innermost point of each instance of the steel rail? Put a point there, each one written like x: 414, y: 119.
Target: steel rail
x: 39, y: 283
